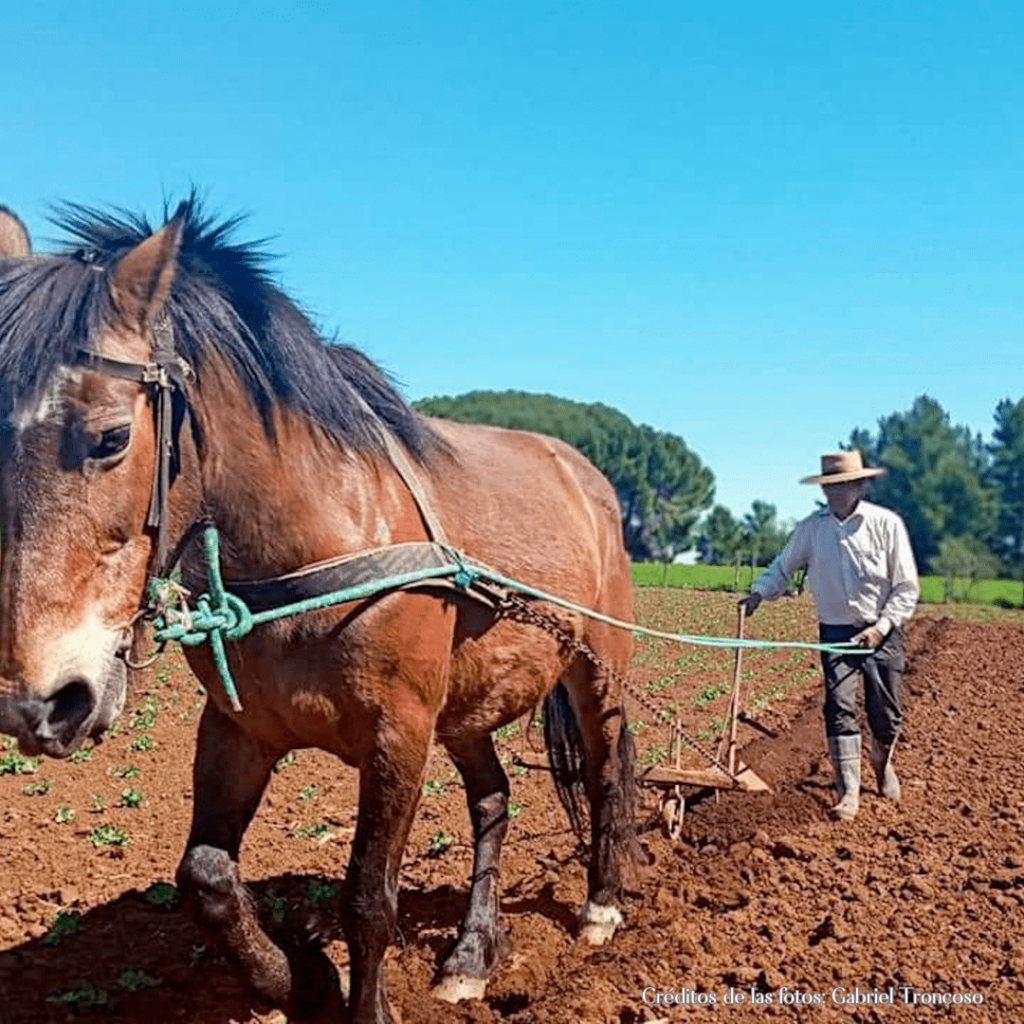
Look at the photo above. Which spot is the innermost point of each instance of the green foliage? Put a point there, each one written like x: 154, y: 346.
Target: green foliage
x: 161, y: 894
x: 108, y: 835
x: 662, y: 486
x: 145, y: 717
x: 132, y: 797
x: 65, y: 923
x: 142, y: 742
x: 439, y: 843
x: 38, y: 788
x: 15, y: 763
x: 1004, y: 593
x: 1006, y: 476
x: 84, y: 753
x: 936, y: 478
x: 133, y: 980
x: 965, y: 559
x: 64, y: 814
x: 320, y: 892
x: 319, y: 830
x: 86, y: 994
x: 721, y: 540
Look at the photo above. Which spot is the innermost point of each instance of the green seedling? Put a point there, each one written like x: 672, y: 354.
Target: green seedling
x: 654, y: 755
x: 86, y: 995
x: 15, y: 763
x: 145, y: 717
x: 434, y: 787
x: 309, y: 792
x: 706, y: 696
x: 64, y: 814
x: 108, y: 835
x: 96, y: 805
x: 319, y: 830
x: 320, y: 892
x: 65, y: 923
x: 142, y: 742
x: 132, y: 797
x: 133, y: 980
x: 515, y: 808
x: 276, y: 905
x: 284, y: 762
x: 439, y: 843
x: 38, y: 788
x: 125, y: 771
x: 161, y: 894
x: 664, y: 683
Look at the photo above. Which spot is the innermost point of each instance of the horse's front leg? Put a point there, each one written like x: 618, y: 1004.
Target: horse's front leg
x: 230, y: 773
x: 389, y: 790
x: 468, y: 967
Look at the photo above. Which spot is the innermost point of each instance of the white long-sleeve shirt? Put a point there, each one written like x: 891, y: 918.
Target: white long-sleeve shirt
x: 860, y: 569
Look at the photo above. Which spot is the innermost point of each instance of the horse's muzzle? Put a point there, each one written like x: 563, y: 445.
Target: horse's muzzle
x: 77, y: 709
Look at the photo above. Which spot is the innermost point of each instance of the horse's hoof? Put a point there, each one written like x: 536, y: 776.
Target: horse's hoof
x: 598, y: 923
x: 453, y: 988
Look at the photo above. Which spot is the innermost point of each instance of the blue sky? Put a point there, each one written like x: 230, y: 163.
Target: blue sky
x: 756, y: 226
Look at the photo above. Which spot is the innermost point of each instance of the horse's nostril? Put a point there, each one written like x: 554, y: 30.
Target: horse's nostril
x: 70, y: 706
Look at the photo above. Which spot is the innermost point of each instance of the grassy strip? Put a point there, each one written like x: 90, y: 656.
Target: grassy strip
x: 1000, y: 593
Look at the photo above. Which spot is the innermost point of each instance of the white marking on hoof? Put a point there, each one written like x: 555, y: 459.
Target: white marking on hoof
x: 453, y: 988
x: 598, y: 922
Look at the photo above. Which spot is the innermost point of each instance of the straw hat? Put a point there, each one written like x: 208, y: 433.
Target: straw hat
x: 838, y: 467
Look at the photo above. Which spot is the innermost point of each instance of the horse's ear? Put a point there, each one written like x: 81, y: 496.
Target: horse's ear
x: 15, y: 243
x: 140, y: 281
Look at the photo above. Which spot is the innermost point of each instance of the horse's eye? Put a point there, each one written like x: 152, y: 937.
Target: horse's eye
x: 111, y: 442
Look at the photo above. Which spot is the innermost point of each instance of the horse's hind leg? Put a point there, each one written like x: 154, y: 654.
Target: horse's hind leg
x: 468, y: 966
x: 230, y: 773
x: 607, y: 751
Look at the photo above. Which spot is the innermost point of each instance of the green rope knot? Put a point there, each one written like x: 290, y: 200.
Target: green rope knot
x: 466, y: 574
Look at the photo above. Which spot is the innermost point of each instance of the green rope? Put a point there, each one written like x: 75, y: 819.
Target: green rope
x: 220, y: 616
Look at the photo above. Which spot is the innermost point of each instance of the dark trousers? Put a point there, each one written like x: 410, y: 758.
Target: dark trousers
x: 880, y: 672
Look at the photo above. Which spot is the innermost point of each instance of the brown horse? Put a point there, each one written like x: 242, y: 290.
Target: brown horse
x: 277, y: 438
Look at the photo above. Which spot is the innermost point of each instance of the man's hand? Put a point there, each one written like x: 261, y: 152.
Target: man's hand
x: 871, y: 637
x: 750, y: 603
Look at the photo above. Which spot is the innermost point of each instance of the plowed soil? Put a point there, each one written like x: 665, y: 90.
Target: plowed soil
x: 760, y: 906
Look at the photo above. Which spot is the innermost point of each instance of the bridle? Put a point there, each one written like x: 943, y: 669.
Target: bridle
x: 166, y: 375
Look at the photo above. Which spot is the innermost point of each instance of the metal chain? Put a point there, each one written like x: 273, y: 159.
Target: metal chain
x: 519, y: 609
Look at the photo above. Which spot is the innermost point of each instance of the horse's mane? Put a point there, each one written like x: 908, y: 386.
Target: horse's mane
x: 223, y: 300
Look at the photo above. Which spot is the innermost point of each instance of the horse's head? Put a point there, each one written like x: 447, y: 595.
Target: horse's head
x: 78, y: 454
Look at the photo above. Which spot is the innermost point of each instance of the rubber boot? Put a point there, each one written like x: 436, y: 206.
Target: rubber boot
x: 845, y: 753
x: 885, y: 775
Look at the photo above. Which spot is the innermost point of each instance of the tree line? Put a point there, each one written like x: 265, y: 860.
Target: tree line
x: 961, y: 496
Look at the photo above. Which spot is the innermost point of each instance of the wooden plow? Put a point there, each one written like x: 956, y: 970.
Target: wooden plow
x: 724, y: 770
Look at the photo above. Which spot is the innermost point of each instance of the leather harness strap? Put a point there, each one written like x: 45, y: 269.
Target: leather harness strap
x: 168, y: 374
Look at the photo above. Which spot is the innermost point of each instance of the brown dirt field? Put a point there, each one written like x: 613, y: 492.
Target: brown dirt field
x: 761, y: 894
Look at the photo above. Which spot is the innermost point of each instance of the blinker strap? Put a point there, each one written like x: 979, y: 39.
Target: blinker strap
x: 167, y: 373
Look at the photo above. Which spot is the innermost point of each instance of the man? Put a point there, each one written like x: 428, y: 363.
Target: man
x: 861, y: 570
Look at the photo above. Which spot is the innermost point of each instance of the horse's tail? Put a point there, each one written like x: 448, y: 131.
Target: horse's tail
x: 565, y: 754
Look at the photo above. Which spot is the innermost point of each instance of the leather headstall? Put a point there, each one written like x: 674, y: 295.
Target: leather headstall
x: 166, y: 375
